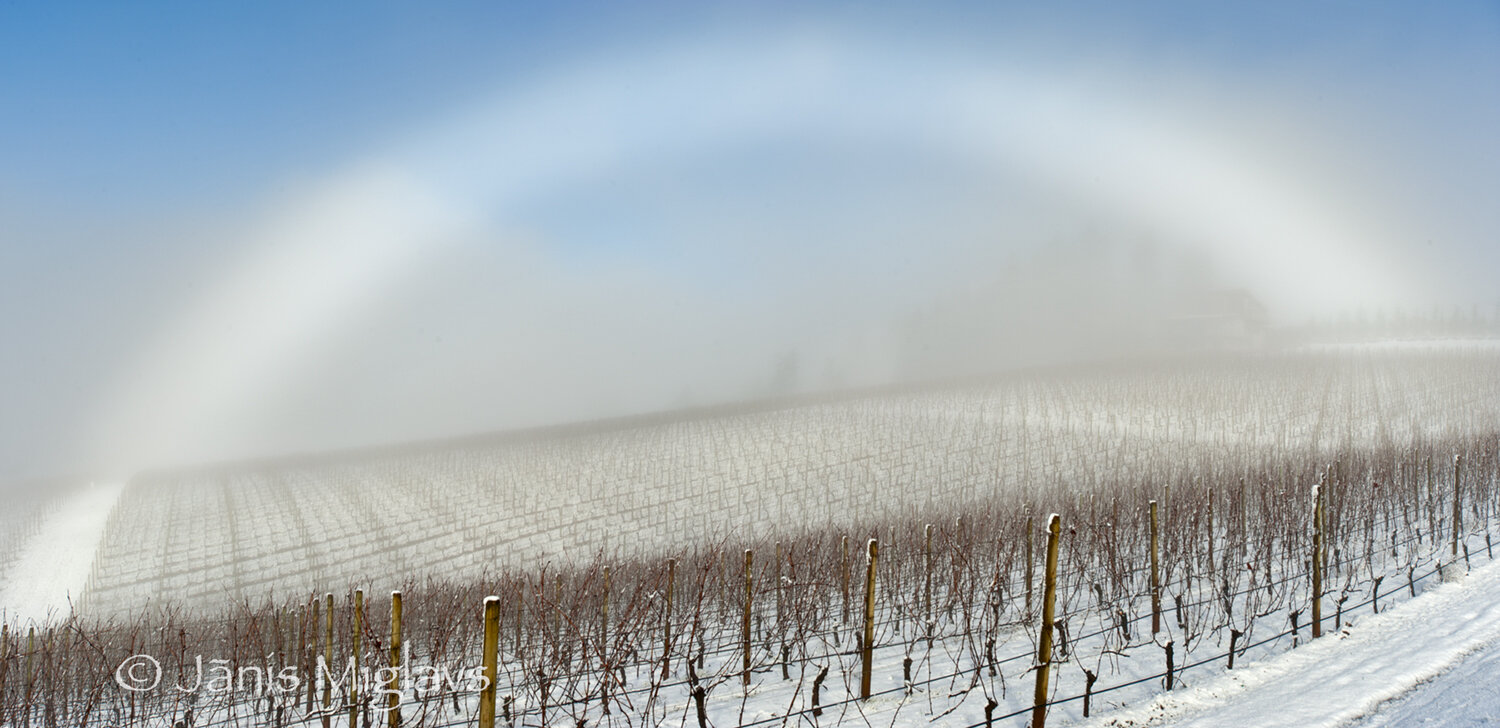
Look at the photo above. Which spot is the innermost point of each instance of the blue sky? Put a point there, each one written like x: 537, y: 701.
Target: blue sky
x: 130, y: 107
x: 239, y: 228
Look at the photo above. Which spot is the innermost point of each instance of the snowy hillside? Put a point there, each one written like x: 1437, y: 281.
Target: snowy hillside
x: 647, y: 487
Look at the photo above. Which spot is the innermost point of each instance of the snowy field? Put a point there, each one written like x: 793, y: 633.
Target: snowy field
x: 1229, y: 446
x: 1434, y: 660
x: 48, y: 573
x: 269, y: 529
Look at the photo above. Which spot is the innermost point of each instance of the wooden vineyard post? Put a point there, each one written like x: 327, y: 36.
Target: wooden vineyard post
x: 867, y: 645
x: 927, y: 583
x: 489, y: 658
x: 327, y: 659
x: 1457, y: 509
x: 1049, y: 607
x: 393, y: 698
x: 1155, y: 574
x: 359, y: 609
x: 666, y: 632
x: 745, y: 622
x: 1317, y: 561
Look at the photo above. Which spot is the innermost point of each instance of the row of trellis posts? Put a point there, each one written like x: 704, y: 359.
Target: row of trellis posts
x: 489, y: 652
x: 490, y: 649
x: 492, y: 605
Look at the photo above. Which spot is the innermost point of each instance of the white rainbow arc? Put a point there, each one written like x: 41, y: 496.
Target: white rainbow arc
x: 319, y: 263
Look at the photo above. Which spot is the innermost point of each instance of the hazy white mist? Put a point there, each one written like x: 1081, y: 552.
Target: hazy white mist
x: 715, y: 219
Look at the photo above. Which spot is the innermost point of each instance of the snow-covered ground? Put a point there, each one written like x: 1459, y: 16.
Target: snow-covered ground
x: 50, y: 571
x: 644, y: 488
x: 1467, y: 695
x: 1434, y: 659
x: 267, y: 525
